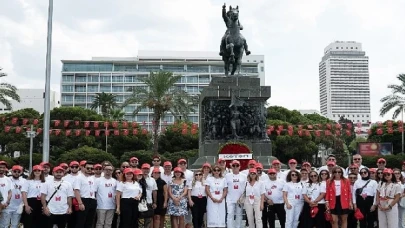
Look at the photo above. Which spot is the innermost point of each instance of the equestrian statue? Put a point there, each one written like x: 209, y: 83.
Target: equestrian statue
x: 233, y: 44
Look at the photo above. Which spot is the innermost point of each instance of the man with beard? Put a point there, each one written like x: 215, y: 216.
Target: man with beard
x: 71, y: 178
x: 5, y: 189
x: 56, y: 199
x: 12, y: 213
x: 156, y: 161
x: 46, y: 170
x: 133, y: 162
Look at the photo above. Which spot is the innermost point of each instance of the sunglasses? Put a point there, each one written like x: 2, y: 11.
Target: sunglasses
x: 272, y: 174
x: 313, y: 176
x: 356, y: 159
x: 98, y: 169
x: 235, y: 166
x: 156, y: 172
x: 379, y: 173
x: 387, y: 174
x: 363, y: 172
x: 294, y: 175
x: 74, y: 167
x: 37, y: 170
x: 397, y: 173
x: 116, y: 173
x: 124, y: 167
x: 156, y: 160
x: 16, y: 171
x: 339, y: 172
x: 381, y: 162
x: 217, y: 170
x: 252, y: 173
x: 182, y: 163
x: 331, y: 159
x: 90, y: 168
x: 198, y: 174
x: 352, y: 178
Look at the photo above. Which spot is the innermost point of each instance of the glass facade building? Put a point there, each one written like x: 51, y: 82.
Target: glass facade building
x: 82, y: 79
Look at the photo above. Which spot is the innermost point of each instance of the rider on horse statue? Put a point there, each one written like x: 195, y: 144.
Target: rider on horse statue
x: 227, y: 17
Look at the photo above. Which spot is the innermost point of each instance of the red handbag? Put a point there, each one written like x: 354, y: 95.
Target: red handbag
x: 358, y: 215
x: 75, y: 204
x: 328, y: 216
x: 314, y: 211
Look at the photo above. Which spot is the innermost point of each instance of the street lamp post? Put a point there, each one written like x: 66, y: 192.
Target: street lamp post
x: 402, y: 115
x: 47, y: 104
x: 31, y: 134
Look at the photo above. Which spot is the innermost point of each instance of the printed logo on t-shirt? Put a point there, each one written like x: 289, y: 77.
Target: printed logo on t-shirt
x: 297, y: 197
x: 109, y: 195
x: 235, y: 180
x: 17, y: 196
x: 269, y: 193
x: 58, y: 198
x: 108, y: 185
x: 236, y: 186
x: 217, y: 192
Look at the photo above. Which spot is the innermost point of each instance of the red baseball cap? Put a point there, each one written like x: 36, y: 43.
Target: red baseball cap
x: 156, y: 170
x: 145, y: 166
x: 167, y: 163
x: 72, y: 163
x: 37, y: 167
x: 177, y: 169
x: 17, y: 167
x: 221, y: 160
x: 271, y: 171
x: 252, y: 162
x: 45, y: 164
x: 137, y: 171
x: 252, y: 170
x: 373, y: 170
x: 83, y: 163
x: 206, y: 165
x: 354, y: 166
x: 292, y: 161
x: 181, y: 160
x: 388, y: 171
x: 259, y: 165
x: 381, y: 160
x: 57, y: 168
x: 3, y: 163
x: 235, y: 162
x: 63, y: 165
x: 133, y: 159
x: 98, y: 166
x: 275, y: 162
x: 306, y: 163
x: 156, y: 156
x: 128, y: 170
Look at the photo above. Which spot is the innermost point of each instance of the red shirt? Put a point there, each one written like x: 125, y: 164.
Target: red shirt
x: 345, y: 193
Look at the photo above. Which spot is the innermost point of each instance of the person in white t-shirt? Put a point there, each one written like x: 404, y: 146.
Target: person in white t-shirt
x: 74, y: 173
x: 46, y: 166
x: 151, y: 192
x: 236, y: 182
x: 5, y: 187
x: 12, y: 213
x: 56, y: 199
x: 98, y: 171
x: 156, y: 164
x: 274, y: 199
x: 197, y: 199
x: 85, y: 194
x: 167, y: 174
x: 262, y: 176
x: 182, y: 164
x: 31, y: 193
x: 292, y: 164
x: 293, y: 200
x: 106, y: 188
x: 314, y: 194
x: 251, y: 165
x: 276, y: 164
x: 254, y: 201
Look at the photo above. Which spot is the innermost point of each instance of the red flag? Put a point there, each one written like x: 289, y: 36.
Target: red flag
x: 329, y: 126
x: 328, y: 133
x: 36, y: 121
x: 67, y: 132
x: 307, y: 133
x: 194, y: 126
x: 25, y: 121
x: 106, y: 124
x: 278, y: 132
x: 17, y: 130
x: 97, y: 133
x: 184, y: 131
x: 271, y: 128
x: 7, y: 129
x: 125, y: 124
x: 268, y: 132
x: 134, y: 124
x: 348, y: 132
x: 39, y: 131
x: 144, y: 131
x: 116, y: 132
x: 114, y: 124
x: 193, y: 131
x: 125, y: 132
x: 95, y: 124
x: 66, y: 123
x: 318, y: 133
x: 379, y: 131
x: 57, y: 122
x: 349, y: 126
x: 78, y: 132
x: 290, y: 132
x: 280, y: 127
x: 337, y: 132
x: 27, y: 129
x: 77, y: 123
x: 359, y: 125
x: 107, y: 132
x: 88, y: 132
x: 57, y: 131
x: 390, y: 130
x: 401, y: 129
x: 338, y: 126
x: 86, y: 124
x: 389, y: 123
x: 135, y: 131
x: 300, y: 132
x: 290, y: 128
x: 14, y: 120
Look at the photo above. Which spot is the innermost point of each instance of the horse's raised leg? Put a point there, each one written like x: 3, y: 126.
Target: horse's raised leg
x: 246, y: 47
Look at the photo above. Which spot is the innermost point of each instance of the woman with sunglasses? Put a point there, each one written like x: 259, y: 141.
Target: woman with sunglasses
x: 364, y: 191
x: 388, y: 195
x: 401, y: 206
x: 116, y: 175
x: 161, y: 199
x: 373, y: 174
x: 379, y: 176
x: 197, y: 199
x: 338, y: 197
x: 254, y: 201
x: 31, y: 194
x: 216, y: 190
x: 177, y: 206
x: 314, y: 194
x: 128, y: 194
x: 293, y: 200
x: 323, y: 178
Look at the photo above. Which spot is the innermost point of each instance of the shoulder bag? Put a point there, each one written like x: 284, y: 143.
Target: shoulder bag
x: 360, y: 190
x: 242, y: 198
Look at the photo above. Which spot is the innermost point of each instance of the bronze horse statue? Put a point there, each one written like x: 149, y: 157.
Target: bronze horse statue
x: 233, y: 44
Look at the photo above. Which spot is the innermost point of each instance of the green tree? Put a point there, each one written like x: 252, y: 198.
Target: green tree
x: 74, y: 113
x: 396, y: 99
x: 173, y: 140
x: 117, y: 114
x: 161, y: 96
x: 7, y: 92
x: 88, y: 154
x: 106, y: 102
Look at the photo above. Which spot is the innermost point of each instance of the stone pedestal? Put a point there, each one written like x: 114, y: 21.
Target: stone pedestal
x: 232, y: 109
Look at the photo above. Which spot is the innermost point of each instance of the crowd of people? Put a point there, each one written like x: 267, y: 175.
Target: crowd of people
x: 83, y: 194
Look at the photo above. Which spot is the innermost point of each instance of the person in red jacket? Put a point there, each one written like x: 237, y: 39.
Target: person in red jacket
x: 338, y: 197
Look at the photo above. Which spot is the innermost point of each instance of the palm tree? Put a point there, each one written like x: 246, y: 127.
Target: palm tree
x: 161, y: 96
x: 396, y: 100
x: 117, y: 114
x: 106, y: 102
x: 7, y: 91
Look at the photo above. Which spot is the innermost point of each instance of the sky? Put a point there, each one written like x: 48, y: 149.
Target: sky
x: 291, y: 34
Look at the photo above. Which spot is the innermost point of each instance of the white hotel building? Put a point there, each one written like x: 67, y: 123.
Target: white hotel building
x: 344, y: 87
x: 82, y: 79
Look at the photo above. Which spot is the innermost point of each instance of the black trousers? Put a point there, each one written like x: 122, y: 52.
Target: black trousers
x: 351, y: 220
x: 198, y: 211
x: 365, y: 204
x: 320, y: 221
x: 272, y: 211
x: 305, y: 218
x: 264, y: 215
x: 71, y: 219
x: 85, y: 218
x: 129, y: 213
x: 33, y: 220
x: 58, y: 220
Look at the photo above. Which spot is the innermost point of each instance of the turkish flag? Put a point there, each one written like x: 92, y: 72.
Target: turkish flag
x: 390, y: 130
x: 95, y: 124
x: 337, y: 133
x: 25, y: 121
x: 17, y: 130
x: 14, y: 120
x: 290, y: 128
x: 36, y: 121
x: 7, y: 128
x: 348, y: 133
x: 77, y: 123
x: 66, y: 123
x: 125, y: 132
x: 88, y: 132
x: 78, y: 132
x: 56, y: 123
x: 86, y: 124
x: 57, y: 131
x: 97, y: 132
x: 349, y: 126
x: 67, y: 132
x: 115, y: 124
x: 125, y: 124
x: 280, y: 127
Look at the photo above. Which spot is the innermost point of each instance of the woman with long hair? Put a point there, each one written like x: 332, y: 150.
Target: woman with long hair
x: 177, y: 206
x: 254, y: 201
x: 401, y: 209
x: 364, y: 192
x: 388, y: 195
x: 293, y: 200
x: 116, y: 175
x: 197, y: 199
x: 338, y: 197
x: 314, y: 194
x: 216, y: 190
x: 206, y: 170
x: 161, y: 198
x: 323, y: 178
x: 379, y: 176
x: 31, y: 194
x: 128, y: 194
